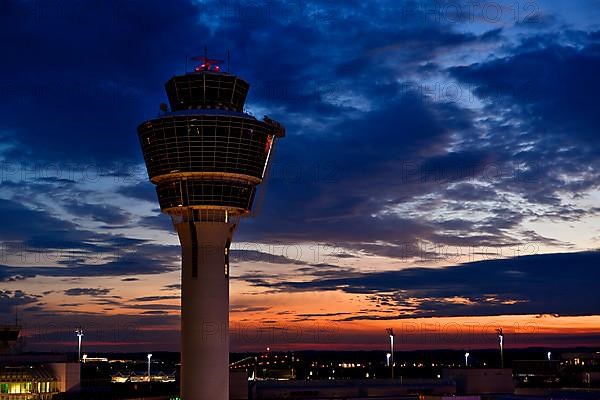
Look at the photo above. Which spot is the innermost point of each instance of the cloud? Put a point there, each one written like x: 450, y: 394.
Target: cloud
x: 552, y: 86
x: 247, y: 309
x: 10, y: 300
x: 156, y: 298
x: 348, y: 177
x: 546, y: 123
x: 538, y: 284
x: 88, y: 103
x: 145, y: 259
x: 157, y: 222
x: 22, y: 223
x: 141, y: 191
x: 94, y: 292
x: 99, y: 212
x: 354, y: 175
x: 374, y: 163
x: 160, y: 307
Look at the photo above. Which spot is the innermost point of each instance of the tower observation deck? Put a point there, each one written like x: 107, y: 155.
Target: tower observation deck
x: 206, y: 156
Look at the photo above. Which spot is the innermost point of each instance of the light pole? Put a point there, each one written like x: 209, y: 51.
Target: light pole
x: 79, y: 333
x: 293, y: 374
x: 467, y: 359
x: 501, y: 342
x: 549, y: 356
x: 255, y: 368
x: 390, y: 332
x: 149, y: 357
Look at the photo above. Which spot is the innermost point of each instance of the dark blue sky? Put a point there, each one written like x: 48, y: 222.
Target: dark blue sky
x: 429, y: 145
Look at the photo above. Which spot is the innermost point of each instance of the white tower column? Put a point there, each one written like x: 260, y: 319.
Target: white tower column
x: 206, y: 157
x: 205, y: 309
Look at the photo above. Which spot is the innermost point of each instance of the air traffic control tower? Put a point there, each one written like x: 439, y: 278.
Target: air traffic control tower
x: 206, y: 157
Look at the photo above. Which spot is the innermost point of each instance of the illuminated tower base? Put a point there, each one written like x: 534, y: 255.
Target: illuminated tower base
x: 205, y: 309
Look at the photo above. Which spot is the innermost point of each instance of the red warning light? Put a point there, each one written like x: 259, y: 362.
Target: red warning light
x: 268, y: 144
x: 207, y: 64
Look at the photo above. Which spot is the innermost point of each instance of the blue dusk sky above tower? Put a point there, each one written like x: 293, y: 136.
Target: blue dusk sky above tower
x: 439, y: 175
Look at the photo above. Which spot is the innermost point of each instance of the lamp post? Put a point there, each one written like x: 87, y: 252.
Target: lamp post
x: 255, y: 368
x: 501, y: 342
x: 79, y: 333
x: 549, y: 355
x: 149, y: 357
x: 467, y: 359
x: 293, y: 359
x: 390, y: 332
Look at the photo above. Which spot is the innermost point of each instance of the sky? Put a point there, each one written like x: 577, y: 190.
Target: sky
x: 440, y: 173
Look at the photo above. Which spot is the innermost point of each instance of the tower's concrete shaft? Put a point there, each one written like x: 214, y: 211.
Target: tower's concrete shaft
x: 205, y: 311
x: 206, y: 156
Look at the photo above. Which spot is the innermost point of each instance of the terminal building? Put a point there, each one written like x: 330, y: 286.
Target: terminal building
x: 33, y: 377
